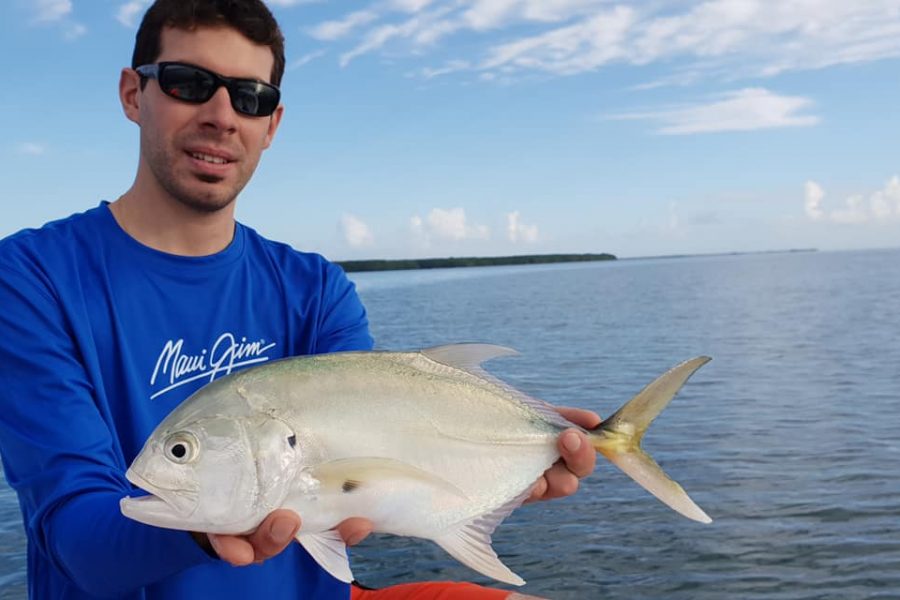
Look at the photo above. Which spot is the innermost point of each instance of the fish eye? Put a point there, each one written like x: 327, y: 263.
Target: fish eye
x: 182, y: 447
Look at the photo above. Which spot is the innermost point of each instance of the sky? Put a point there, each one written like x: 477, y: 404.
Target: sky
x: 430, y: 128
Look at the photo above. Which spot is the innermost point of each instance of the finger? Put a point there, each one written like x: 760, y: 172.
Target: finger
x: 274, y: 533
x: 232, y: 549
x: 538, y: 490
x: 354, y: 530
x: 577, y: 453
x: 585, y: 418
x: 561, y: 482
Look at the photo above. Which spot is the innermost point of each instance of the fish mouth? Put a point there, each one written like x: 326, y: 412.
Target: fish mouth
x: 168, y: 508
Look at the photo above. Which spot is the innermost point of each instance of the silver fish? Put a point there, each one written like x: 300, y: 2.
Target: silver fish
x: 424, y: 444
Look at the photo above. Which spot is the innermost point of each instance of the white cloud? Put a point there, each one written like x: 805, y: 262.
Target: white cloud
x: 356, y: 232
x: 568, y: 50
x: 409, y: 6
x: 58, y: 13
x: 374, y: 40
x: 452, y: 225
x: 674, y: 222
x: 334, y: 30
x: 31, y: 149
x: 723, y: 39
x: 882, y: 205
x: 447, y: 224
x: 853, y: 211
x: 423, y: 29
x: 743, y: 110
x: 517, y: 231
x: 305, y: 59
x: 452, y: 66
x: 51, y: 10
x: 488, y: 14
x: 813, y: 202
x: 73, y: 31
x: 130, y: 12
x: 886, y: 202
x: 433, y: 32
x: 289, y: 3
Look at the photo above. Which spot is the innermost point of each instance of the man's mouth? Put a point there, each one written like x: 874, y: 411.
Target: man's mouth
x: 216, y: 160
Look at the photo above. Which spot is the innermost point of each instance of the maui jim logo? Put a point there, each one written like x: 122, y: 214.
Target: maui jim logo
x: 177, y: 368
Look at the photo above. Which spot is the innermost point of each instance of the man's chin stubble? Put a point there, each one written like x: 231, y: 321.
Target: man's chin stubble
x: 209, y: 204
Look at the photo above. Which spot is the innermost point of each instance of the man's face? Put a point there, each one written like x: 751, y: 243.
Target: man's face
x: 202, y: 155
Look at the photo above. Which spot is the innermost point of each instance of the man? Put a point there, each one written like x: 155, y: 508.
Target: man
x: 113, y: 316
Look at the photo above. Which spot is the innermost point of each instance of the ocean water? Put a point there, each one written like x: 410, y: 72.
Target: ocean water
x: 789, y: 438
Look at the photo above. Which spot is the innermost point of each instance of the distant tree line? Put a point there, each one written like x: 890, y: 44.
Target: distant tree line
x: 471, y: 261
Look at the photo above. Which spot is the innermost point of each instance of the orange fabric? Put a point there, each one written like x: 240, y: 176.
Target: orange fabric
x: 430, y: 590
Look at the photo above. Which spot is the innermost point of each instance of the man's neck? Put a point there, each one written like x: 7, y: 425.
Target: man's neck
x: 172, y: 227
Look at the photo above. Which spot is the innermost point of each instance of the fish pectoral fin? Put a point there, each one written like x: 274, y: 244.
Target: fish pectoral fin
x: 328, y: 549
x: 347, y: 475
x: 470, y: 544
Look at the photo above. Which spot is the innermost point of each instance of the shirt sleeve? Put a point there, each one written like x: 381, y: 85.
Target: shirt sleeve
x: 344, y: 324
x: 62, y: 458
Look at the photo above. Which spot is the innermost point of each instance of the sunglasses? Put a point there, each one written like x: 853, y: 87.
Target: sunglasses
x: 197, y: 85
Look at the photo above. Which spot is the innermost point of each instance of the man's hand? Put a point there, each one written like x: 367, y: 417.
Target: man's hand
x: 577, y: 458
x: 273, y: 535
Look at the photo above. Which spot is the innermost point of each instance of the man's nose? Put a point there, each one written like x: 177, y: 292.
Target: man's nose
x: 218, y: 113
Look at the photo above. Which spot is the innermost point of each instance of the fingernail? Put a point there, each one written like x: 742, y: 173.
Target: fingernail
x: 282, y: 530
x: 355, y: 539
x: 572, y: 442
x: 214, y: 542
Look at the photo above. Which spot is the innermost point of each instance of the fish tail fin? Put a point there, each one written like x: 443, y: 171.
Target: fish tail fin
x: 618, y: 438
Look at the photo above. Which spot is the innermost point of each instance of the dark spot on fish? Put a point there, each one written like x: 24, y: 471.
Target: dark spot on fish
x: 349, y: 486
x: 292, y: 440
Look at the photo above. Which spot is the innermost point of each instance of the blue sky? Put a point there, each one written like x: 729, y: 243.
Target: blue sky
x: 482, y: 127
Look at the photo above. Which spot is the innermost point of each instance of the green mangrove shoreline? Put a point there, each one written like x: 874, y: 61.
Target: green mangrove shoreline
x: 357, y: 266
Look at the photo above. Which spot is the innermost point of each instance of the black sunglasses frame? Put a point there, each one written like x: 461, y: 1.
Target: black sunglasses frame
x: 267, y: 96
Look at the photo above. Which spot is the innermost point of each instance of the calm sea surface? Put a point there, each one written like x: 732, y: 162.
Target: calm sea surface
x: 790, y: 438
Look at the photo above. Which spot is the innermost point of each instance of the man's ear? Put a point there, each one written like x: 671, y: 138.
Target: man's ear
x: 274, y: 120
x: 130, y: 94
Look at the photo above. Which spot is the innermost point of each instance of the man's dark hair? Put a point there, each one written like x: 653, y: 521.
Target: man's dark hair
x: 250, y: 17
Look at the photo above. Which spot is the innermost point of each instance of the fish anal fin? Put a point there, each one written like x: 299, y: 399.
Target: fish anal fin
x: 470, y: 543
x: 328, y: 549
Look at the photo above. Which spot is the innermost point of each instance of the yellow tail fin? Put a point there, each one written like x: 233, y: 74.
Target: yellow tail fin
x: 618, y: 438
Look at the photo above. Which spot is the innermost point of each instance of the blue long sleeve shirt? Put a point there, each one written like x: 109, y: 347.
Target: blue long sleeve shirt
x: 100, y: 338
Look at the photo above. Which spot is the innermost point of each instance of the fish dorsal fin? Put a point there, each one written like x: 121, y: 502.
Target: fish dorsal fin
x: 469, y: 357
x: 328, y: 549
x: 470, y: 543
x: 350, y: 474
